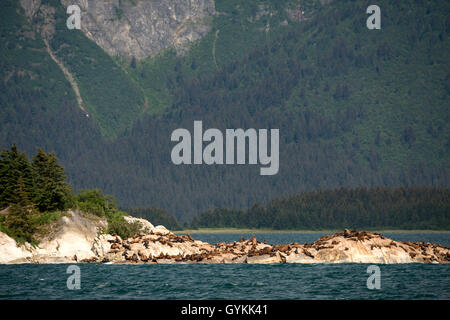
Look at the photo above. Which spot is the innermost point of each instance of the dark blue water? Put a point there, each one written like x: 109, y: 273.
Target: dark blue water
x: 234, y: 281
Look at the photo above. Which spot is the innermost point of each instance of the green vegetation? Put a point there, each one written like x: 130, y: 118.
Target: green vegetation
x: 240, y: 27
x: 31, y: 83
x: 360, y: 208
x: 124, y: 229
x: 355, y: 107
x: 34, y: 195
x: 19, y: 225
x: 52, y: 192
x: 40, y: 183
x: 119, y: 12
x: 95, y: 202
x: 352, y: 105
x: 110, y: 96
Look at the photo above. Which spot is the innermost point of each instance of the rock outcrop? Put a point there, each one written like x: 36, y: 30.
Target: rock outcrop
x: 345, y: 247
x: 10, y: 251
x: 79, y: 238
x: 134, y: 27
x: 75, y: 237
x: 30, y: 7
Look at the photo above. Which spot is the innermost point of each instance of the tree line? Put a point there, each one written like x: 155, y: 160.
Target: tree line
x: 381, y: 207
x: 34, y: 193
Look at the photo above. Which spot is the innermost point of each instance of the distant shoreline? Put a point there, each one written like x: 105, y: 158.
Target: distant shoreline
x: 237, y: 231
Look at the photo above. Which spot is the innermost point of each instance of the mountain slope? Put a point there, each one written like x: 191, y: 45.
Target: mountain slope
x: 354, y: 106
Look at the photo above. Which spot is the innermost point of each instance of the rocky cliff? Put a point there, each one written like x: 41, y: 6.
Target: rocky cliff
x: 134, y: 27
x: 78, y: 238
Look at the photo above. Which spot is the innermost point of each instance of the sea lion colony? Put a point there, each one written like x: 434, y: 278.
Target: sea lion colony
x: 344, y: 247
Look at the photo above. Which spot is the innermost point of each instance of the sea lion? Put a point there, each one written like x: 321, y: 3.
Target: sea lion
x: 309, y: 254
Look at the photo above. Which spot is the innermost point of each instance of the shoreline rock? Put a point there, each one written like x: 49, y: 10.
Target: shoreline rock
x: 345, y: 247
x: 79, y: 240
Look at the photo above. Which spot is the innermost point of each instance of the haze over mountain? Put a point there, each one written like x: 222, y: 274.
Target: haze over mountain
x: 355, y: 107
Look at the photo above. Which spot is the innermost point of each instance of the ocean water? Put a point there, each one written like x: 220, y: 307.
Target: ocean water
x: 233, y: 281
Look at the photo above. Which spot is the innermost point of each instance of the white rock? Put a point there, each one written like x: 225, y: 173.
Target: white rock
x: 75, y: 237
x: 161, y: 229
x: 102, y: 246
x: 10, y: 251
x: 145, y: 223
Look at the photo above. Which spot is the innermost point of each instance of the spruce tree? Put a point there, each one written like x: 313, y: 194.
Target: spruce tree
x: 19, y: 219
x: 52, y: 192
x: 14, y: 166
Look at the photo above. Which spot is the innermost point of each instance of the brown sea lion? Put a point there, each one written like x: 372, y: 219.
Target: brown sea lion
x: 346, y: 233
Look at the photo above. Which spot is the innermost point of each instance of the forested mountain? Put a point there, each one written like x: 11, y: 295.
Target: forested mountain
x: 355, y: 107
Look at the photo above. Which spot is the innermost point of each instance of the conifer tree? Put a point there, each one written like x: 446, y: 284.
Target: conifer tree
x: 14, y: 169
x: 19, y: 219
x: 52, y: 192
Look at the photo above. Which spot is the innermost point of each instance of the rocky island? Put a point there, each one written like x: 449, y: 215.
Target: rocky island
x: 80, y: 238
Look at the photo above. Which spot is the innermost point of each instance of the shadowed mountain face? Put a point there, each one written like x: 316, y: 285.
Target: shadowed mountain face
x: 354, y: 106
